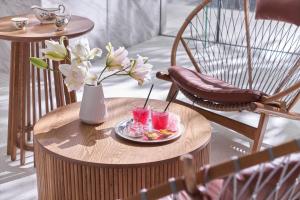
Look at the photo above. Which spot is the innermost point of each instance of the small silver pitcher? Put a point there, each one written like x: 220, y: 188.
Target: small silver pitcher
x: 62, y: 20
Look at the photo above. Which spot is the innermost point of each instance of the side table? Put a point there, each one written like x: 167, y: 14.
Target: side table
x: 34, y: 92
x: 79, y: 161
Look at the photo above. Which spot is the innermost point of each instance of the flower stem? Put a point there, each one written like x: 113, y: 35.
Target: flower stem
x: 98, y: 79
x: 116, y: 73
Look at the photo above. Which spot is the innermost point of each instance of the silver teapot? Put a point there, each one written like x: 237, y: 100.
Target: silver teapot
x: 47, y: 15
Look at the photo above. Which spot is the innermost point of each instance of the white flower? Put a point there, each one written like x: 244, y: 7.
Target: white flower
x: 75, y: 76
x: 91, y: 79
x: 82, y: 53
x: 118, y: 59
x: 140, y: 70
x: 55, y: 51
x: 86, y: 64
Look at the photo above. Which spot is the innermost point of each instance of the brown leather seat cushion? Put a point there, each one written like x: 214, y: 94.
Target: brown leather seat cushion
x: 212, y: 89
x: 281, y: 10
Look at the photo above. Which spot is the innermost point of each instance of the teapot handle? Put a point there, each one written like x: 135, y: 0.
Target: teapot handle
x: 61, y: 8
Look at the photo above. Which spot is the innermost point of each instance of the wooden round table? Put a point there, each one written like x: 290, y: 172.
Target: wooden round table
x: 31, y: 91
x: 79, y: 161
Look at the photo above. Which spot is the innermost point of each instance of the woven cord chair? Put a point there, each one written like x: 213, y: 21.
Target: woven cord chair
x: 239, y: 62
x: 270, y: 174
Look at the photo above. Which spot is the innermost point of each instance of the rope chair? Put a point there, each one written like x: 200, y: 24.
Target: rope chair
x: 242, y: 58
x: 270, y: 174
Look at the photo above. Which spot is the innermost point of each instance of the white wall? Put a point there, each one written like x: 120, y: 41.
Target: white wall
x: 133, y: 21
x: 123, y: 22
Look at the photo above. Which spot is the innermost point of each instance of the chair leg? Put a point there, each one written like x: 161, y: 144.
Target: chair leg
x: 253, y: 133
x: 260, y: 132
x: 172, y: 91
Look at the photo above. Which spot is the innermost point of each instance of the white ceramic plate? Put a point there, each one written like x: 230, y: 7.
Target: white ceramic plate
x: 121, y: 130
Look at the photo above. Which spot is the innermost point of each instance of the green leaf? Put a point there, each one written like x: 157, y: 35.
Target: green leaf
x: 39, y: 63
x: 53, y: 55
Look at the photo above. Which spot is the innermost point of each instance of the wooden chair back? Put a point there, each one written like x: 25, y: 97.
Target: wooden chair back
x: 229, y: 172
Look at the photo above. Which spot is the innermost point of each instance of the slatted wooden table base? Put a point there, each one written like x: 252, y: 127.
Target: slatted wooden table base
x: 64, y: 179
x: 78, y: 161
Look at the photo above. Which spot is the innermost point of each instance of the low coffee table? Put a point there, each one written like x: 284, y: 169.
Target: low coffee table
x: 77, y: 161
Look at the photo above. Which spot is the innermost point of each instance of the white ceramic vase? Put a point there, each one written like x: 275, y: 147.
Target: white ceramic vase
x: 93, y: 109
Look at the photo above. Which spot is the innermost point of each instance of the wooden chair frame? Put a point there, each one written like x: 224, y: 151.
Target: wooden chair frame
x: 191, y: 179
x: 269, y: 105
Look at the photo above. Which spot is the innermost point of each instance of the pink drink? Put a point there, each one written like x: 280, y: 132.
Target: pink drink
x: 160, y: 120
x: 141, y: 115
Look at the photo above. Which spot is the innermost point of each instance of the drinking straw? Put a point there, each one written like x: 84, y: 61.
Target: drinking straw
x: 148, y: 96
x: 170, y: 101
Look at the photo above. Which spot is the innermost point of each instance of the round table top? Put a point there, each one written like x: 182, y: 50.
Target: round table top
x: 35, y: 31
x: 62, y: 133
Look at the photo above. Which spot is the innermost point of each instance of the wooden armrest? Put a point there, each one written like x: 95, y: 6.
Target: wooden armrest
x: 275, y: 103
x: 271, y: 110
x: 163, y: 76
x: 281, y: 94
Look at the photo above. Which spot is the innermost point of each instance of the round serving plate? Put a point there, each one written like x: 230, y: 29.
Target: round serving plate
x: 121, y: 130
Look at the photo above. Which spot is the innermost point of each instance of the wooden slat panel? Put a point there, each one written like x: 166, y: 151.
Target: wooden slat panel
x: 22, y: 101
x: 61, y: 179
x: 12, y: 126
x: 28, y: 95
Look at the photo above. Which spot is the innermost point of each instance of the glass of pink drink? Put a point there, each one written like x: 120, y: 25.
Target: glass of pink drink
x: 141, y: 115
x: 159, y: 120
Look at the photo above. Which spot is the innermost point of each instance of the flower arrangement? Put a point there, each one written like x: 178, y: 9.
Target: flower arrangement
x: 78, y: 73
